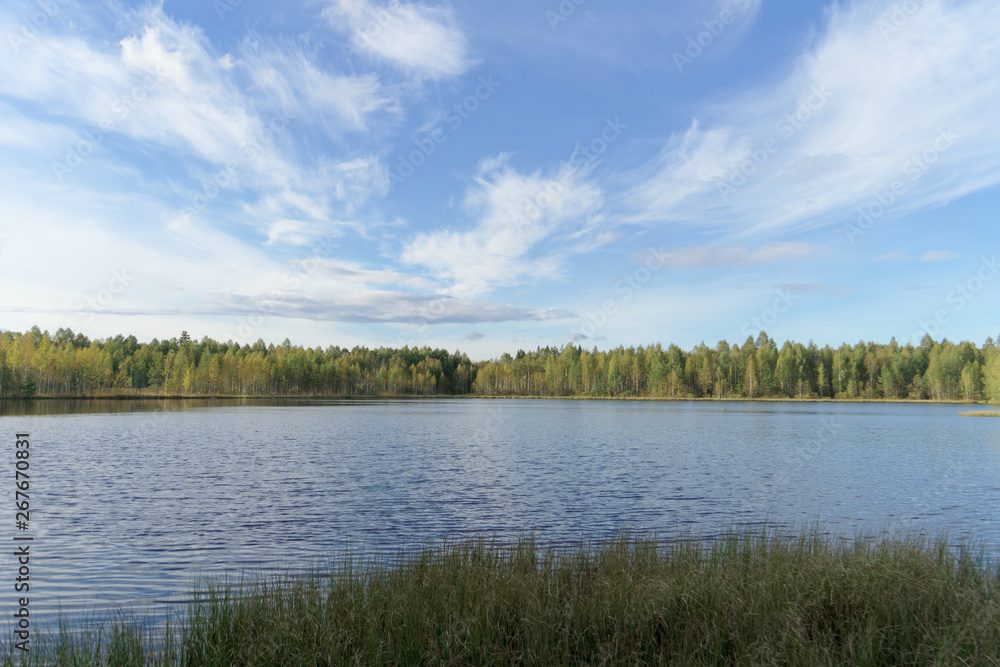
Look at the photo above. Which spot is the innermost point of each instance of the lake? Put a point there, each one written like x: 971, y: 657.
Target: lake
x: 132, y: 502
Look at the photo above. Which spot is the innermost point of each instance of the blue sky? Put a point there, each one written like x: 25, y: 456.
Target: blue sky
x: 488, y: 176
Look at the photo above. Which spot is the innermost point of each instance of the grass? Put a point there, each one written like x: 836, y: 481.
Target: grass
x: 745, y: 599
x: 980, y: 413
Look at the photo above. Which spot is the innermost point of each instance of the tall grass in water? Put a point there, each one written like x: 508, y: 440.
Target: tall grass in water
x: 746, y: 599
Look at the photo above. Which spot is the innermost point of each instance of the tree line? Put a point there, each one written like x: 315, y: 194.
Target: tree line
x: 757, y: 369
x: 70, y: 364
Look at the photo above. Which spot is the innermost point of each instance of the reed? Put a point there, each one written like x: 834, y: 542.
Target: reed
x: 747, y: 598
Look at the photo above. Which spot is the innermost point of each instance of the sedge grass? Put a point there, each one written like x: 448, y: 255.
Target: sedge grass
x: 980, y: 413
x: 754, y: 598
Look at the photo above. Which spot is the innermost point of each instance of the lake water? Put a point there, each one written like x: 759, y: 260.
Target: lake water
x: 132, y: 502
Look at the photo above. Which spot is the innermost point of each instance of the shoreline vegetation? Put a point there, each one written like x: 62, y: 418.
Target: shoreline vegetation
x: 750, y: 596
x: 70, y: 365
x: 127, y: 396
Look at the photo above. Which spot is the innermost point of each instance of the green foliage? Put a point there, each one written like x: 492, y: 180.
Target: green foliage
x: 992, y: 376
x: 72, y: 365
x: 69, y: 364
x: 757, y: 369
x: 28, y: 390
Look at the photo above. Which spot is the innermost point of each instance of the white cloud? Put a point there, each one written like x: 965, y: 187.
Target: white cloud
x: 938, y: 256
x: 166, y: 89
x: 524, y: 227
x: 896, y: 256
x: 17, y: 131
x: 287, y: 78
x: 160, y: 84
x: 378, y: 307
x: 685, y: 168
x: 418, y: 38
x: 697, y: 257
x: 186, y: 266
x: 87, y: 238
x: 806, y: 287
x: 354, y: 273
x: 727, y: 24
x: 150, y: 55
x: 163, y: 89
x: 867, y: 106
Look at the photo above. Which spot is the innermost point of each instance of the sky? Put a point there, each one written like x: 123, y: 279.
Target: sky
x: 487, y: 176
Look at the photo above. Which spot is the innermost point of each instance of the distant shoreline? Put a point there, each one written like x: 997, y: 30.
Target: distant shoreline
x: 411, y: 397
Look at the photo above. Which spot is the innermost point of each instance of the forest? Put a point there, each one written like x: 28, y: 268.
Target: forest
x: 67, y: 364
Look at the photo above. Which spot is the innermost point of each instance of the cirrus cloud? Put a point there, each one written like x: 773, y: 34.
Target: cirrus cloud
x: 413, y: 36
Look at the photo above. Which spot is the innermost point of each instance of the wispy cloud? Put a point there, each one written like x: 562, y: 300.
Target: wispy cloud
x: 167, y: 95
x: 287, y: 77
x: 165, y: 88
x: 802, y: 152
x: 895, y: 256
x: 379, y: 307
x: 841, y: 127
x: 716, y: 32
x: 20, y: 132
x: 522, y: 231
x: 938, y: 256
x: 805, y: 287
x: 735, y: 255
x: 420, y: 39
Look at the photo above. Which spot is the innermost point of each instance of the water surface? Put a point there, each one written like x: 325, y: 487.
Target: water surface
x: 132, y: 501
